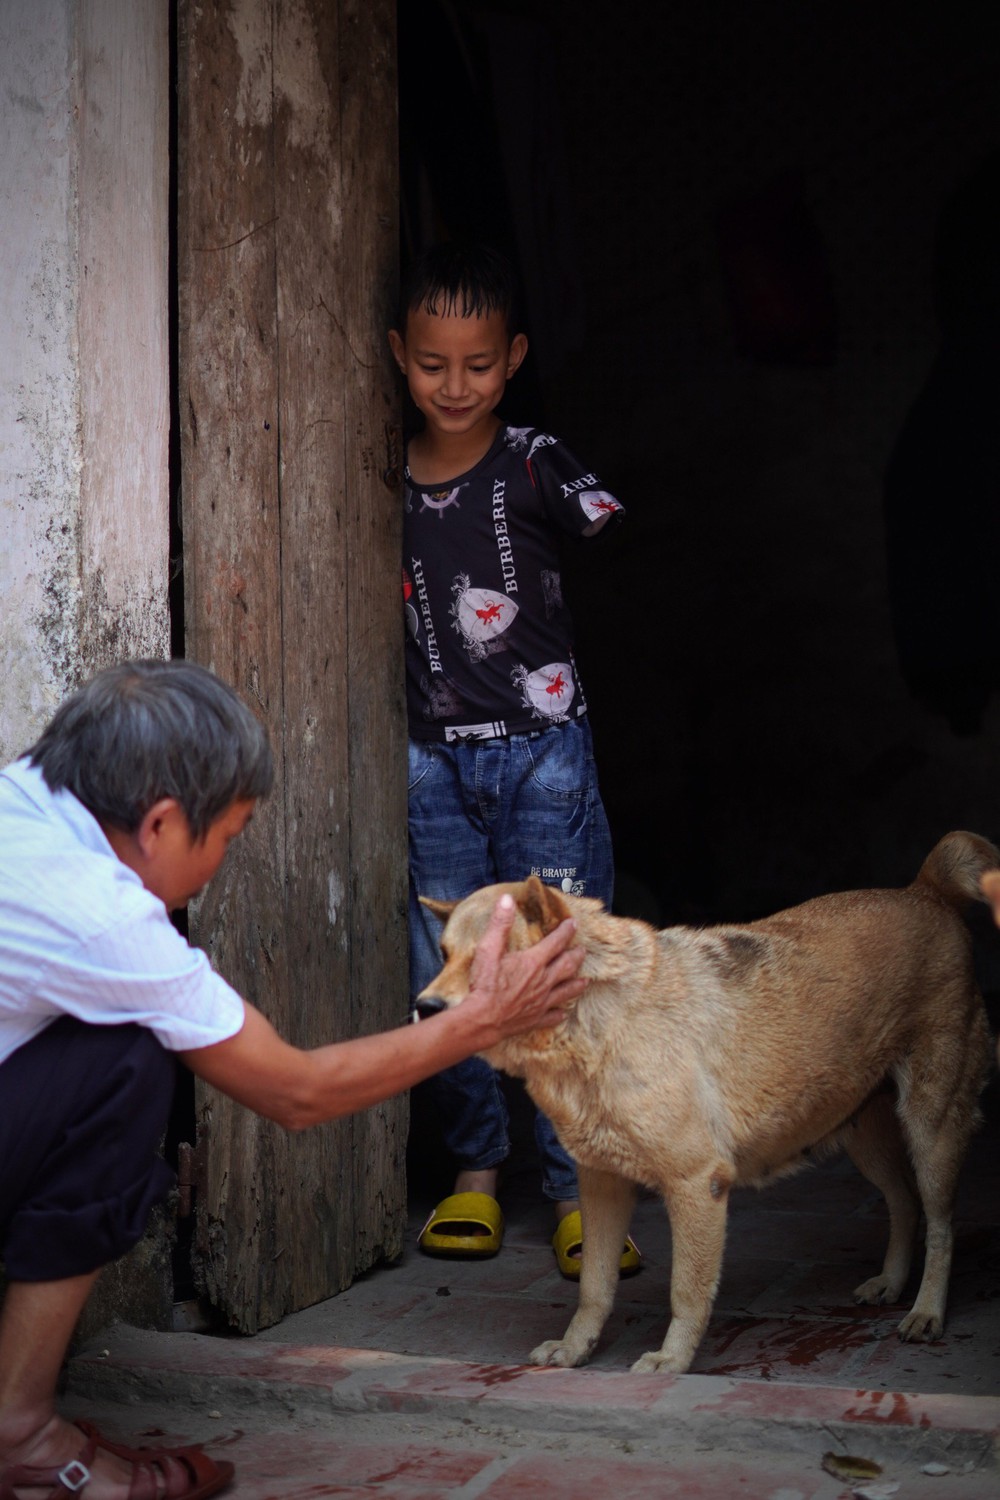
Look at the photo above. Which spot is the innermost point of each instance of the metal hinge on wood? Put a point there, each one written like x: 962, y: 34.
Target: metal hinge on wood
x: 190, y: 1176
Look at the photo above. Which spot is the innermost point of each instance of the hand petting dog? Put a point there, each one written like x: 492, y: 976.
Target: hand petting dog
x: 545, y: 976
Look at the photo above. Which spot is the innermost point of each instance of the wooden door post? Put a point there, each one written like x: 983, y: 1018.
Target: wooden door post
x: 287, y: 265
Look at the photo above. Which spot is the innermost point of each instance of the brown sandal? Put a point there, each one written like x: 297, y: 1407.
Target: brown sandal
x: 181, y: 1474
x: 143, y: 1452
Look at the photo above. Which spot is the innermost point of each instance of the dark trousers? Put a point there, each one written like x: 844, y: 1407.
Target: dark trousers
x: 82, y: 1114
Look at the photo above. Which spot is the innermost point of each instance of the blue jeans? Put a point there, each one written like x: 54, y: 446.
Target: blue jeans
x: 485, y: 811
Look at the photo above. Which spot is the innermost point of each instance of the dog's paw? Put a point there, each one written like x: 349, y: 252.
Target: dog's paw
x: 658, y: 1363
x: 920, y: 1327
x: 559, y: 1353
x: 877, y: 1291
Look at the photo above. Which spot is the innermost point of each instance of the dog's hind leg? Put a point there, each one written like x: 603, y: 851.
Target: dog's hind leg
x: 938, y: 1139
x: 606, y: 1203
x: 874, y: 1142
x: 698, y: 1207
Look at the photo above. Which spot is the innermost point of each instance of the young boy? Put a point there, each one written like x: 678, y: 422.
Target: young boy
x: 502, y: 782
x: 119, y: 814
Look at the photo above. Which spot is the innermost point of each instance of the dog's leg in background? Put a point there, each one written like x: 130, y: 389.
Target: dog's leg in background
x: 606, y: 1204
x: 874, y: 1142
x: 936, y: 1162
x: 936, y: 1180
x: 938, y: 1115
x: 698, y: 1207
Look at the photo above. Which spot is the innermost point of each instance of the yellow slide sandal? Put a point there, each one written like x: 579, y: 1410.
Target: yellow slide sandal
x: 466, y: 1224
x: 567, y: 1242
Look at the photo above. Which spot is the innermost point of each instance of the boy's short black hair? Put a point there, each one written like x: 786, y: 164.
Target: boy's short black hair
x: 463, y: 276
x: 143, y: 730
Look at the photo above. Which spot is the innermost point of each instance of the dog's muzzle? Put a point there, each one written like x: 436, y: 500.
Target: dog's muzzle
x: 426, y: 1007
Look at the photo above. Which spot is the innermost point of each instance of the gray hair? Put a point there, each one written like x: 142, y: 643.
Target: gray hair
x: 143, y: 730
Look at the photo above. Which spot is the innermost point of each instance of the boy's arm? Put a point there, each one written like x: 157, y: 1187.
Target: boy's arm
x: 572, y: 494
x: 511, y: 992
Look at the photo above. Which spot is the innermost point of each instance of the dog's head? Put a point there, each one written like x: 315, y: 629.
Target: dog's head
x: 540, y: 909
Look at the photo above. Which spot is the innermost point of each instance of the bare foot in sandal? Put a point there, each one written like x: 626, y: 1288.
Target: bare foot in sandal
x: 59, y: 1459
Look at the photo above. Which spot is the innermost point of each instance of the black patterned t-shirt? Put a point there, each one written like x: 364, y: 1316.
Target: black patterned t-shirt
x: 489, y: 647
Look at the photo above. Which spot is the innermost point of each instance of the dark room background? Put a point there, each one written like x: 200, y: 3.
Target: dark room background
x: 761, y: 271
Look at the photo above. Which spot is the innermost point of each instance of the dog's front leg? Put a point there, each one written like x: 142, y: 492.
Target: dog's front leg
x: 606, y: 1203
x: 697, y: 1209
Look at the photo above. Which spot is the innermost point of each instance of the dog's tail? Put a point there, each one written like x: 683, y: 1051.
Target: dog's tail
x: 961, y: 868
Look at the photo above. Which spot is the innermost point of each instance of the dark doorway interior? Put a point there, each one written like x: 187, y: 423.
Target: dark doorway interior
x: 729, y: 222
x: 733, y: 222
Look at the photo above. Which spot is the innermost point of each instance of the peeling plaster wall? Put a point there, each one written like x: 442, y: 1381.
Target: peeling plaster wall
x: 40, y: 448
x: 84, y: 412
x: 124, y: 371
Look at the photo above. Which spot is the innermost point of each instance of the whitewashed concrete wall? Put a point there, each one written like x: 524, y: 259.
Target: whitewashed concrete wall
x: 84, y: 385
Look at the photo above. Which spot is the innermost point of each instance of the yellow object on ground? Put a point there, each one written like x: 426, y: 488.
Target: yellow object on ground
x: 466, y: 1224
x: 567, y: 1242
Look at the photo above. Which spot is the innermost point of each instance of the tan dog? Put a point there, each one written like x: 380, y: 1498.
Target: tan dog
x: 700, y: 1060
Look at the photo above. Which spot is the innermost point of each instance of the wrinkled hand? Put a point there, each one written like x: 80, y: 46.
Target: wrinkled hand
x: 531, y: 988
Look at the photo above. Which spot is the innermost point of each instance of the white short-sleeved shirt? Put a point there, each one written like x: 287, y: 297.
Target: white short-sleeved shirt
x: 80, y: 935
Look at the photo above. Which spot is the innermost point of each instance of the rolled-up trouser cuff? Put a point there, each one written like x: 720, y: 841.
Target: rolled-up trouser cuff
x: 84, y: 1112
x: 48, y: 1243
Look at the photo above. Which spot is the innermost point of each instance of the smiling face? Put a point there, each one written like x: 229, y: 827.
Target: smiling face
x: 457, y: 369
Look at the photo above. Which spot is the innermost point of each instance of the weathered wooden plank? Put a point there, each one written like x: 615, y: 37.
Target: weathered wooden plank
x: 368, y: 93
x: 314, y: 462
x: 288, y: 243
x: 232, y: 551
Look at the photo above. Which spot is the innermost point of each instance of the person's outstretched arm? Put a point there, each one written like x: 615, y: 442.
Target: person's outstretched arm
x: 511, y: 992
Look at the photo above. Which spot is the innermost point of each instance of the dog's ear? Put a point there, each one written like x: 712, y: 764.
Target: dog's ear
x: 541, y: 905
x: 442, y: 909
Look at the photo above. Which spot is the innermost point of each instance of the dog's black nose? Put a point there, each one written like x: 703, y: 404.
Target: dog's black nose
x: 427, y: 1006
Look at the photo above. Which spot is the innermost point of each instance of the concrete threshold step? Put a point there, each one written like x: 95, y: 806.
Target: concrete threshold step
x: 278, y: 1381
